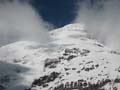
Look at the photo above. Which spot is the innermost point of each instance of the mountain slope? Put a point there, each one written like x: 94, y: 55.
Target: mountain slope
x: 72, y: 60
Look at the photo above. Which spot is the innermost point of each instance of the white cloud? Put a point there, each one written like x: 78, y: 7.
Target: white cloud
x: 102, y: 20
x: 20, y: 21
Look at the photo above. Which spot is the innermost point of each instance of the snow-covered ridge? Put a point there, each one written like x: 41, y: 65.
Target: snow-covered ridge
x: 76, y: 26
x: 70, y: 57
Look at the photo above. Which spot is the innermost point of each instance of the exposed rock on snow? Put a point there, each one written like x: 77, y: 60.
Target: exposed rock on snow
x: 72, y: 61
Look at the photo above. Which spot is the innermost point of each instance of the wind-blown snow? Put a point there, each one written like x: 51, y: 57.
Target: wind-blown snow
x: 20, y: 21
x: 72, y: 54
x: 102, y: 20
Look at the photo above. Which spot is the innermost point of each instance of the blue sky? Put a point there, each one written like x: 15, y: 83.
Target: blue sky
x: 56, y: 12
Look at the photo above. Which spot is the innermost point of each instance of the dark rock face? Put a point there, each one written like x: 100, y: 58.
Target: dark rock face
x: 75, y: 52
x: 42, y: 81
x: 5, y: 79
x: 51, y: 63
x: 84, y: 85
x: 75, y: 85
x: 86, y: 66
x: 2, y: 87
x: 68, y: 55
x: 115, y: 52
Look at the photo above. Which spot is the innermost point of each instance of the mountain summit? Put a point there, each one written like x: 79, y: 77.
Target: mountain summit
x: 71, y: 61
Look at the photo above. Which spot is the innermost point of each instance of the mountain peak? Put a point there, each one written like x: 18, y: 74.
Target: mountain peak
x: 76, y: 26
x: 74, y: 61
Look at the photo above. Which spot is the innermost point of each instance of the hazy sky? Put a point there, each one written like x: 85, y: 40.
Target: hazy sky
x: 56, y: 12
x: 32, y: 20
x: 20, y: 21
x: 59, y: 12
x: 102, y: 20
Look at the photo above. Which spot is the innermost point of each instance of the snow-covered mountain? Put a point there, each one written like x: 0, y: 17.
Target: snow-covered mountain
x: 71, y: 61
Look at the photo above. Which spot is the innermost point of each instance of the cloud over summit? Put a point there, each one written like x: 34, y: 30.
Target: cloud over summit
x: 102, y: 20
x: 20, y: 21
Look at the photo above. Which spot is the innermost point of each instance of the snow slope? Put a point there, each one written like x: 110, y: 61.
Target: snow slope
x: 72, y: 60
